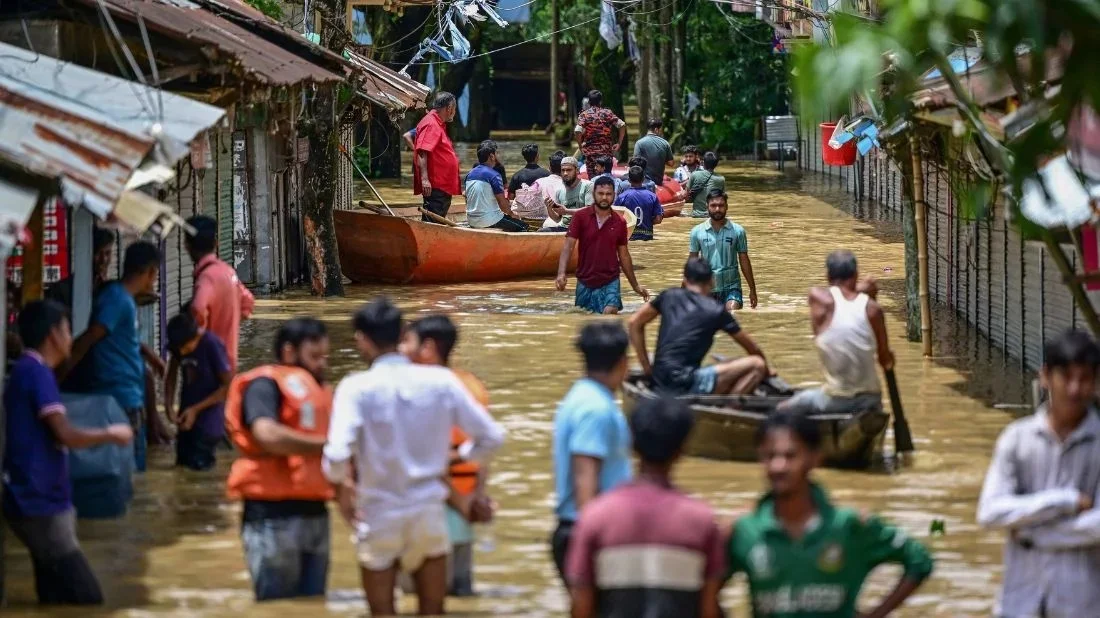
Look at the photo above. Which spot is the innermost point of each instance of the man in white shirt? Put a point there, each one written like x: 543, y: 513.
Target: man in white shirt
x: 1042, y: 488
x: 394, y: 421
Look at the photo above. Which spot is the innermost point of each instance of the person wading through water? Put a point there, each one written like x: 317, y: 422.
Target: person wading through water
x: 277, y: 416
x: 849, y: 330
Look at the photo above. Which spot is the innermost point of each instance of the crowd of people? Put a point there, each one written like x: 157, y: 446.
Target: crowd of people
x: 402, y: 448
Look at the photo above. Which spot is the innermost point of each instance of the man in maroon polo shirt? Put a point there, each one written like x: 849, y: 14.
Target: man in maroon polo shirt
x: 603, y: 251
x: 435, y: 174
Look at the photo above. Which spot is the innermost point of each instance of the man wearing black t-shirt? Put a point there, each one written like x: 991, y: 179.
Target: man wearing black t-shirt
x: 530, y: 173
x: 690, y: 317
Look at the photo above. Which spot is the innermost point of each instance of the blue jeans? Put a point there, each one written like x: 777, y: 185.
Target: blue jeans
x: 703, y: 380
x: 595, y: 299
x: 287, y: 556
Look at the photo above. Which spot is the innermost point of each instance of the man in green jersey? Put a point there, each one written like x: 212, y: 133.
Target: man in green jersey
x: 805, y: 557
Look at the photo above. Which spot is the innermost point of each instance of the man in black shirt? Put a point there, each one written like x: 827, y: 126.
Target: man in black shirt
x: 690, y: 317
x: 530, y: 173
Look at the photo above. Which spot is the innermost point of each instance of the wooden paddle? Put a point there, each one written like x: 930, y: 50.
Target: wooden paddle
x: 375, y: 209
x: 434, y: 217
x: 903, y: 439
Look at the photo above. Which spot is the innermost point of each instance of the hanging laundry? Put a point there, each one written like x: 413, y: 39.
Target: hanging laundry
x: 491, y: 13
x: 609, y: 28
x: 692, y: 102
x: 443, y: 52
x: 632, y: 42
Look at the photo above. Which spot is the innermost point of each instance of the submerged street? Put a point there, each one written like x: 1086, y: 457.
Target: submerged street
x: 177, y: 551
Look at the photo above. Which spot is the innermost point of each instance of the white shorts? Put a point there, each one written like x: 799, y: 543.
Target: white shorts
x: 410, y: 537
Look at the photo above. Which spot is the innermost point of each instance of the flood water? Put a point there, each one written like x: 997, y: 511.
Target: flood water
x: 177, y: 552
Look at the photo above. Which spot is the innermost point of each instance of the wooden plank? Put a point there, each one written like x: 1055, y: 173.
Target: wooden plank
x: 33, y: 288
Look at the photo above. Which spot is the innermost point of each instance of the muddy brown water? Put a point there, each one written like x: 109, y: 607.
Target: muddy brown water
x: 177, y: 552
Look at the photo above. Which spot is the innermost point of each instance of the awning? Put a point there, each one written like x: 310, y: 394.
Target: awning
x: 143, y: 212
x: 88, y: 131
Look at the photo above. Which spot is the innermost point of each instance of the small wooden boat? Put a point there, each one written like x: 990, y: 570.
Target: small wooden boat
x: 674, y: 209
x: 383, y: 249
x: 668, y: 192
x: 725, y: 426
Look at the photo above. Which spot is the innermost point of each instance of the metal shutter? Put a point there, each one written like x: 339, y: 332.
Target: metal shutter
x: 223, y: 181
x: 1034, y: 292
x: 1014, y: 297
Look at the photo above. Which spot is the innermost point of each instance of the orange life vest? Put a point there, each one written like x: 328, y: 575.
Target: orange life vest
x: 306, y: 407
x: 464, y: 473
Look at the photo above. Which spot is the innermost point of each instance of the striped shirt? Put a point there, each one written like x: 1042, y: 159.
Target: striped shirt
x: 1052, y: 554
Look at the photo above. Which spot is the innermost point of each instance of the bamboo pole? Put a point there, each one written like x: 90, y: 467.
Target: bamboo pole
x: 555, y: 25
x: 920, y: 210
x: 1075, y: 289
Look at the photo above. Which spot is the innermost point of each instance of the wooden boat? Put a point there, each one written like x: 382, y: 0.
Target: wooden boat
x: 668, y: 192
x: 725, y: 426
x: 674, y: 209
x: 383, y: 249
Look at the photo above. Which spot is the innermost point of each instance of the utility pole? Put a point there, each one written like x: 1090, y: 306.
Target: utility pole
x: 555, y: 25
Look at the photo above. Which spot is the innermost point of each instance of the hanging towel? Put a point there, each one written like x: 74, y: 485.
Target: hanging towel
x: 609, y: 28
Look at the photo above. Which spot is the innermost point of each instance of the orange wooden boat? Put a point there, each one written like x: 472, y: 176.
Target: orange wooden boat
x: 674, y: 209
x: 384, y: 249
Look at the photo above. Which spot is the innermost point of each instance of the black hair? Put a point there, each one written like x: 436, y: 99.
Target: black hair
x: 655, y: 123
x: 38, y: 319
x: 595, y: 97
x: 530, y: 152
x: 443, y: 100
x: 689, y: 149
x: 803, y: 428
x: 1073, y: 347
x: 140, y: 256
x: 697, y: 270
x: 555, y: 162
x: 635, y: 175
x: 485, y: 150
x: 717, y: 193
x: 710, y: 161
x: 297, y: 331
x: 637, y: 161
x: 660, y: 427
x: 601, y: 181
x: 603, y: 344
x: 181, y: 329
x: 101, y: 238
x: 606, y: 162
x: 205, y: 237
x: 841, y: 265
x: 380, y: 320
x: 440, y: 329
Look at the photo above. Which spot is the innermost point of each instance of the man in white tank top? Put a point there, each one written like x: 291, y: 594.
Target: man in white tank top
x: 849, y: 332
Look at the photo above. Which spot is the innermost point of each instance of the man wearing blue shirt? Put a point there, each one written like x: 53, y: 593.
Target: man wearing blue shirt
x: 112, y: 338
x: 723, y: 244
x: 591, y: 438
x: 486, y: 204
x: 643, y: 203
x: 37, y: 502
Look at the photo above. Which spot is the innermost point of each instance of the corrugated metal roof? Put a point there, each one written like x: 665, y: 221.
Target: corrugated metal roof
x: 90, y: 130
x: 258, y: 59
x: 381, y: 85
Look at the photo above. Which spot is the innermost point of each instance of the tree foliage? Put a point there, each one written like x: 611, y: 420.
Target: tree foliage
x: 271, y: 8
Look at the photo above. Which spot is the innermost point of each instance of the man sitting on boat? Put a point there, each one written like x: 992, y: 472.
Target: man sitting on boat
x: 849, y: 331
x: 690, y: 316
x: 486, y: 204
x: 574, y: 195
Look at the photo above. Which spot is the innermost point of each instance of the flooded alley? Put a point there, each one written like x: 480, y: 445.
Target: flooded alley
x: 177, y: 552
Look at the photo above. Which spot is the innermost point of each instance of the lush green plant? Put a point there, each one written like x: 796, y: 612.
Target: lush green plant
x: 271, y: 8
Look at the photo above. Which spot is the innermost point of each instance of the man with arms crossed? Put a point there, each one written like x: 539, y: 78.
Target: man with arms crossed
x: 1042, y: 488
x: 603, y: 251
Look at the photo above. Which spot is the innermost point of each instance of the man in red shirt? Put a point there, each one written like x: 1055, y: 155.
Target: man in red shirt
x: 594, y: 128
x: 435, y: 175
x: 603, y: 251
x: 219, y: 300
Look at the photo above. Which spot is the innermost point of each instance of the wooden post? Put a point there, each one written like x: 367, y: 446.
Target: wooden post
x: 555, y: 25
x: 32, y: 255
x: 920, y: 210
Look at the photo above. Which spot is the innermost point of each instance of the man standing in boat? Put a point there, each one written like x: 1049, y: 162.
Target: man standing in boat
x: 804, y: 555
x: 594, y: 127
x: 690, y: 316
x: 849, y: 331
x: 435, y: 173
x: 724, y: 245
x: 603, y: 252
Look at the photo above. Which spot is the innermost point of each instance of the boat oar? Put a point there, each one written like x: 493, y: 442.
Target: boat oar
x: 365, y: 179
x: 903, y: 439
x: 375, y: 209
x: 434, y: 217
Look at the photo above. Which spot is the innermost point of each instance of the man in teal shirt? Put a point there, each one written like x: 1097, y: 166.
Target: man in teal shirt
x: 805, y: 557
x: 723, y: 244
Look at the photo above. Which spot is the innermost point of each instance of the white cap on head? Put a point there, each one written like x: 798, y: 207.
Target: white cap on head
x: 570, y: 161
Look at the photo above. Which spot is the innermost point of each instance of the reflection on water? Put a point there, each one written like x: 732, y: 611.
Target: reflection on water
x: 177, y: 552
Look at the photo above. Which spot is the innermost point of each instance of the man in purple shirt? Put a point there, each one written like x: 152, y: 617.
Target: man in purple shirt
x: 202, y: 360
x: 645, y: 548
x: 37, y: 501
x: 643, y: 203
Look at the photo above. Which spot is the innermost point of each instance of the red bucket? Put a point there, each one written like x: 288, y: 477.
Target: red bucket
x: 845, y: 155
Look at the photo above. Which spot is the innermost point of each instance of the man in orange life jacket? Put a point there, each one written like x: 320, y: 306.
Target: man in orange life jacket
x: 429, y: 341
x: 277, y: 416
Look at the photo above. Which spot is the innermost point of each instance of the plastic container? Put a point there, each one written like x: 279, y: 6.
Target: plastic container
x: 101, y: 476
x: 845, y: 155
